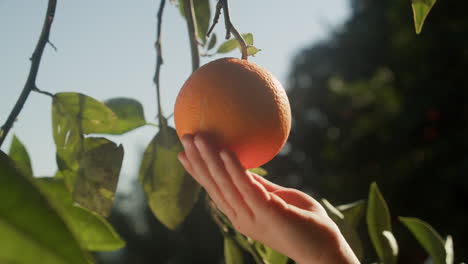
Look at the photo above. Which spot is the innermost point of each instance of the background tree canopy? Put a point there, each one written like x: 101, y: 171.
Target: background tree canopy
x: 375, y: 102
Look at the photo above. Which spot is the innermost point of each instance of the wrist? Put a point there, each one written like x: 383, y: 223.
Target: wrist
x: 336, y: 250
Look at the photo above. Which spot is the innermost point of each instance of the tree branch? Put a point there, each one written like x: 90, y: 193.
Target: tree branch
x: 223, y: 4
x: 35, y: 62
x: 159, y: 62
x: 191, y: 26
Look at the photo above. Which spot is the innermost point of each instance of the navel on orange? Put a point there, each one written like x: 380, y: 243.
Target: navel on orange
x: 238, y: 103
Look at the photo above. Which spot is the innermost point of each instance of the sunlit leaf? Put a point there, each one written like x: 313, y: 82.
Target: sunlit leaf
x: 67, y: 136
x: 449, y: 250
x: 91, y: 115
x: 429, y: 239
x: 421, y: 9
x: 232, y: 44
x: 92, y: 231
x: 98, y: 175
x: 353, y: 212
x: 30, y: 230
x: 129, y: 113
x: 260, y: 171
x: 20, y: 155
x: 171, y: 192
x: 347, y: 229
x: 232, y: 253
x: 378, y: 221
x: 252, y: 50
x: 212, y: 42
x: 202, y: 16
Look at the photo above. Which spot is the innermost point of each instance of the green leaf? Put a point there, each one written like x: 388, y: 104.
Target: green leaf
x: 92, y: 231
x: 231, y: 44
x: 31, y: 231
x: 67, y: 136
x: 212, y: 42
x: 232, y: 253
x: 259, y: 171
x: 378, y: 221
x: 347, y: 229
x: 269, y: 255
x: 353, y: 212
x: 170, y: 190
x: 429, y: 239
x: 421, y: 9
x: 98, y: 175
x: 20, y: 155
x: 90, y: 115
x: 252, y: 50
x: 129, y: 113
x: 202, y: 16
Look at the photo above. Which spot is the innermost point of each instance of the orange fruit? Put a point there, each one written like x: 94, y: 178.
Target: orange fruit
x: 241, y: 105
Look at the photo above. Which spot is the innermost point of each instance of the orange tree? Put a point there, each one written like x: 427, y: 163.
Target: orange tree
x: 63, y: 219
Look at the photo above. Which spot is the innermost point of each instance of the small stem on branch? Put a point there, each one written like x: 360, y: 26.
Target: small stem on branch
x: 159, y: 62
x: 37, y: 90
x: 191, y: 26
x: 35, y: 62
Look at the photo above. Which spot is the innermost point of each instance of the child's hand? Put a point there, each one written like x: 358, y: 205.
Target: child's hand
x: 285, y: 219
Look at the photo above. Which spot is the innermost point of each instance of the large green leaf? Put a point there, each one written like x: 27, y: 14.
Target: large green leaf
x: 202, y: 16
x: 232, y: 253
x: 90, y: 115
x: 346, y: 227
x: 20, y: 155
x: 429, y: 239
x: 98, y: 175
x: 67, y: 136
x: 92, y: 231
x: 421, y: 9
x: 129, y: 113
x: 378, y: 222
x: 171, y: 192
x: 353, y: 212
x: 30, y: 229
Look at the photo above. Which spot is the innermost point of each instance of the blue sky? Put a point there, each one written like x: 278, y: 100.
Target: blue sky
x: 105, y: 50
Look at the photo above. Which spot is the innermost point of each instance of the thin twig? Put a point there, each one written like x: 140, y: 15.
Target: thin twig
x: 52, y: 45
x: 159, y: 62
x: 37, y: 90
x: 230, y: 28
x: 191, y: 26
x: 35, y: 62
x: 224, y: 4
x: 219, y: 6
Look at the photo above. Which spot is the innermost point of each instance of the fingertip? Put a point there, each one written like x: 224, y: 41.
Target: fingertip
x: 186, y: 139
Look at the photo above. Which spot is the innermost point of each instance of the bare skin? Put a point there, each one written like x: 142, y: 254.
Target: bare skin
x: 285, y: 219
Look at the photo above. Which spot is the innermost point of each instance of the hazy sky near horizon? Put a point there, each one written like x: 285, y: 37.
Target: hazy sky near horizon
x: 105, y: 50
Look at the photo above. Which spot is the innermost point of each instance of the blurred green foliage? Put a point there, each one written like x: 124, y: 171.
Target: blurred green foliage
x: 377, y: 102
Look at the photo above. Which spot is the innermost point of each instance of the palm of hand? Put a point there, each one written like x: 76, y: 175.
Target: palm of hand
x: 285, y: 219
